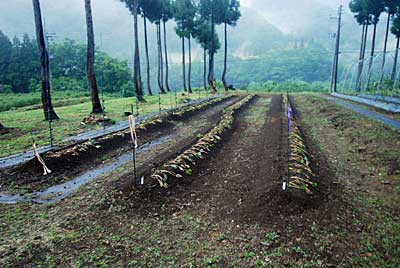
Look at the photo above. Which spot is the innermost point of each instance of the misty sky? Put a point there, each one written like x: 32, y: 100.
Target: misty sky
x: 296, y: 18
x: 290, y: 16
x: 294, y: 15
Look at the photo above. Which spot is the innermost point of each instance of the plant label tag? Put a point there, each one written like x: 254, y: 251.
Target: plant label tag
x: 284, y: 186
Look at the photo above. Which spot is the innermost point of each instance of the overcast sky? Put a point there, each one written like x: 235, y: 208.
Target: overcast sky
x: 291, y: 16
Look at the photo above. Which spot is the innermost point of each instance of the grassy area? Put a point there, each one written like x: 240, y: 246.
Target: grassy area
x: 365, y: 155
x: 27, y: 124
x: 33, y: 100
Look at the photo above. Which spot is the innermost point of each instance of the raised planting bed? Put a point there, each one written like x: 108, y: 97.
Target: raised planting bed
x: 300, y: 176
x: 183, y: 164
x: 181, y: 113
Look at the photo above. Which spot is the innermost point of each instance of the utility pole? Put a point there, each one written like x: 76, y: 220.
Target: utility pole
x: 333, y: 36
x: 337, y: 52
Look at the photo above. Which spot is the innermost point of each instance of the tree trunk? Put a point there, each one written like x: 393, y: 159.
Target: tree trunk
x: 362, y: 57
x: 225, y: 58
x: 371, y: 59
x: 190, y: 66
x: 160, y: 60
x: 48, y: 110
x: 396, y: 55
x: 146, y: 44
x: 385, y: 48
x: 365, y: 43
x: 183, y: 64
x: 136, y: 69
x: 211, y: 81
x: 210, y: 72
x: 166, y: 59
x: 205, y: 70
x: 91, y: 76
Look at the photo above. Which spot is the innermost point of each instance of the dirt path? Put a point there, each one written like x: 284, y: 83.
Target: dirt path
x: 247, y: 166
x: 29, y: 178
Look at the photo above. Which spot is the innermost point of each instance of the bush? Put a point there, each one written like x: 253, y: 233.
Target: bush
x: 6, y: 89
x: 69, y: 84
x: 128, y: 90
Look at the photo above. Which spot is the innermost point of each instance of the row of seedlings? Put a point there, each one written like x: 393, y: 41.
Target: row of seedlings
x: 180, y: 112
x: 144, y: 125
x: 189, y: 109
x: 300, y: 173
x: 184, y: 163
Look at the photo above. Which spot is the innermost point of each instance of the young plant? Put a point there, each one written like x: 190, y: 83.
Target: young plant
x: 299, y: 170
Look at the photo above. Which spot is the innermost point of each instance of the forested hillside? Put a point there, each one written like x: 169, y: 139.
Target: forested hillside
x: 20, y: 67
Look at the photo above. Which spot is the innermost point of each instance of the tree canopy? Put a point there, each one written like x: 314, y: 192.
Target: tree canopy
x: 184, y: 12
x: 395, y: 29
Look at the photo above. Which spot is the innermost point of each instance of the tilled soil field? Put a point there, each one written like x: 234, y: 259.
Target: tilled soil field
x: 240, y: 185
x: 230, y: 212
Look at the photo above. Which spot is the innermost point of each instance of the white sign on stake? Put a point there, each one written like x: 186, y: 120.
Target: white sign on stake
x: 46, y: 170
x: 132, y: 127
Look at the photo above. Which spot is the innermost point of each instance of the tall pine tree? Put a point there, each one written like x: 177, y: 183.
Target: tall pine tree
x: 184, y: 13
x: 133, y: 6
x: 395, y: 30
x: 229, y: 16
x: 47, y: 106
x: 91, y: 76
x: 391, y: 7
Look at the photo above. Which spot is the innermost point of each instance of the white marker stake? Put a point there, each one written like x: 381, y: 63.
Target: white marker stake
x: 132, y: 127
x: 46, y: 170
x: 284, y: 186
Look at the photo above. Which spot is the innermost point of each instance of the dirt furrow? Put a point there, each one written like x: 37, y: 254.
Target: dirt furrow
x: 248, y: 165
